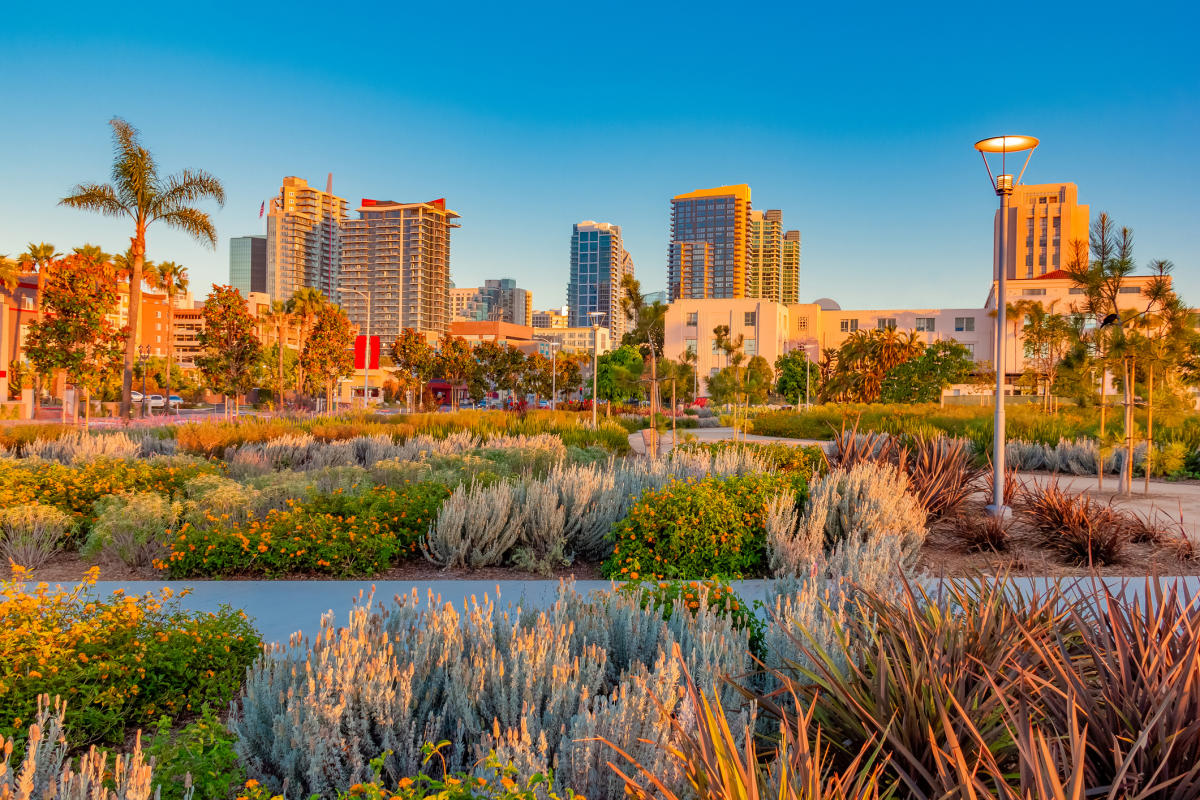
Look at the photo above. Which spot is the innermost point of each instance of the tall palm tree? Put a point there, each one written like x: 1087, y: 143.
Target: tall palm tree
x: 304, y: 305
x: 138, y: 193
x: 172, y: 279
x: 280, y: 319
x: 10, y: 273
x: 37, y: 259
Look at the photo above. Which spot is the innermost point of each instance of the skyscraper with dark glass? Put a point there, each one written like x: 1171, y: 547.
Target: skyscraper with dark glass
x: 599, y: 262
x: 248, y: 263
x: 710, y: 232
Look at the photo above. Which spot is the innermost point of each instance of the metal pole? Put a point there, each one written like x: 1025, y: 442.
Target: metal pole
x: 595, y: 369
x: 1004, y: 189
x: 807, y: 379
x: 367, y: 351
x: 553, y: 376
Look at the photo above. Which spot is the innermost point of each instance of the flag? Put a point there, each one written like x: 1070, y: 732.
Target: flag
x: 262, y: 209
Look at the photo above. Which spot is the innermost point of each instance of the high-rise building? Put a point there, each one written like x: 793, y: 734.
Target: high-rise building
x: 248, y: 264
x: 710, y: 243
x: 790, y: 285
x: 1043, y: 221
x: 466, y: 304
x: 303, y: 230
x: 599, y: 263
x: 506, y: 302
x: 398, y: 253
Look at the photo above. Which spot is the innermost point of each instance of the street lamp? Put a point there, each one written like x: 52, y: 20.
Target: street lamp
x: 143, y: 357
x: 367, y: 333
x: 1003, y: 184
x: 594, y: 317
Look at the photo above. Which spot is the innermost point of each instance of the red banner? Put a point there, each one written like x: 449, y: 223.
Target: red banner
x: 360, y: 350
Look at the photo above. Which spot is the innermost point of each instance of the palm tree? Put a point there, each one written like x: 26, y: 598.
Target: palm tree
x: 10, y: 273
x: 280, y: 319
x: 137, y: 192
x: 172, y: 279
x: 304, y: 305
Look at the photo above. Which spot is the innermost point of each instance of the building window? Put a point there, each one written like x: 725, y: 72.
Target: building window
x: 1034, y: 292
x: 1075, y: 290
x: 925, y: 324
x: 970, y: 348
x: 751, y: 347
x: 689, y: 345
x: 883, y: 323
x: 802, y: 324
x: 693, y: 318
x: 748, y: 319
x: 964, y: 324
x: 849, y: 325
x: 1130, y: 290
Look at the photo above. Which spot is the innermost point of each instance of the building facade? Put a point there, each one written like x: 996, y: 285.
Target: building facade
x: 710, y: 243
x: 248, y: 264
x: 398, y: 254
x: 551, y: 318
x: 507, y: 302
x: 577, y: 340
x: 773, y: 265
x: 303, y: 239
x: 599, y: 264
x: 466, y: 304
x: 1044, y: 222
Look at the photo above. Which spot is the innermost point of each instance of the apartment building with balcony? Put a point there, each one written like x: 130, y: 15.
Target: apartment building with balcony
x: 399, y: 255
x: 599, y: 264
x: 303, y: 239
x: 551, y: 318
x: 710, y: 243
x: 773, y: 264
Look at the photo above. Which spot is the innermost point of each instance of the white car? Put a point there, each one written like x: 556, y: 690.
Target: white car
x: 156, y: 401
x: 135, y: 397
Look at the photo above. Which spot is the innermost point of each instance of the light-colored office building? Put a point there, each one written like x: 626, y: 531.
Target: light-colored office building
x: 303, y: 239
x: 1044, y: 221
x: 507, y: 302
x: 577, y: 340
x: 710, y: 243
x: 551, y: 318
x: 399, y: 253
x: 599, y: 264
x: 466, y: 304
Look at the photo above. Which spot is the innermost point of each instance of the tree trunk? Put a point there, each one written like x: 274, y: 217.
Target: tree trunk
x: 1100, y: 446
x: 279, y: 347
x: 1149, y: 425
x: 87, y: 411
x: 1127, y: 468
x: 653, y: 400
x: 170, y: 343
x: 138, y: 246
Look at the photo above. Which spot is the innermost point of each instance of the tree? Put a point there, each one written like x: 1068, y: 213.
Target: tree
x: 305, y: 304
x: 79, y: 294
x: 537, y: 377
x: 619, y: 373
x: 679, y: 373
x: 570, y: 371
x: 230, y: 351
x: 500, y: 365
x: 279, y: 320
x: 138, y: 193
x: 36, y: 258
x: 1102, y: 280
x: 172, y: 279
x: 454, y: 363
x: 414, y: 360
x: 1047, y: 341
x: 328, y: 352
x: 10, y: 274
x: 647, y: 333
x: 922, y: 379
x: 797, y: 376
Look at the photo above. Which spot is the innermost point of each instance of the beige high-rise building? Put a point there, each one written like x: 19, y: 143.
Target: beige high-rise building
x: 710, y: 243
x: 1043, y: 221
x: 773, y: 263
x: 399, y: 253
x: 303, y: 239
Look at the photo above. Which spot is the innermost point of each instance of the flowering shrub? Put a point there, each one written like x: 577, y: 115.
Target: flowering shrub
x: 75, y: 489
x: 697, y: 529
x: 122, y: 661
x: 337, y: 534
x: 199, y: 754
x: 670, y: 597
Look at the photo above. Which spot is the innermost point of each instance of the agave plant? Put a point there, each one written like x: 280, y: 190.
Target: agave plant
x: 940, y: 473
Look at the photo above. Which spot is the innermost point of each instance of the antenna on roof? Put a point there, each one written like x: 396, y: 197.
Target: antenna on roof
x: 329, y: 184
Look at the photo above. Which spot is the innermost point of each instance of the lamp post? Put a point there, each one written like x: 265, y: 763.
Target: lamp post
x: 143, y: 357
x: 367, y: 332
x: 1003, y: 184
x: 593, y: 317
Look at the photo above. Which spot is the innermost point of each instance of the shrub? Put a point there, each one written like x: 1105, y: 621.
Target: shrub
x: 1080, y: 529
x: 673, y: 597
x: 536, y: 687
x: 341, y: 534
x: 940, y: 474
x: 79, y: 446
x: 15, y: 438
x: 697, y: 529
x: 807, y: 460
x: 543, y: 541
x: 31, y: 534
x: 981, y: 533
x: 865, y: 506
x: 133, y: 528
x: 200, y: 755
x: 476, y: 527
x: 45, y: 772
x: 124, y: 661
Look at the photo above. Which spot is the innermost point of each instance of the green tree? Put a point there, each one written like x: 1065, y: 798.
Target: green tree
x: 455, y: 364
x: 36, y: 259
x: 536, y: 377
x: 500, y: 366
x: 172, y: 279
x: 414, y: 362
x: 1048, y: 340
x: 138, y: 193
x: 80, y: 293
x: 328, y: 352
x: 304, y: 305
x: 647, y: 332
x: 279, y: 320
x: 230, y: 351
x: 922, y: 379
x: 797, y: 376
x: 619, y: 373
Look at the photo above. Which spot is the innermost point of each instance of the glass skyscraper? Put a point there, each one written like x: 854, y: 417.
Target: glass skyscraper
x: 599, y: 262
x: 248, y: 264
x: 710, y: 231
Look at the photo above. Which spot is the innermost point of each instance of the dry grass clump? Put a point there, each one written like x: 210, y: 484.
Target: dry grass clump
x: 1080, y: 529
x: 981, y: 533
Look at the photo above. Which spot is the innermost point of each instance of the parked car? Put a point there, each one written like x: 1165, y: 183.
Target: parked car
x: 543, y: 403
x: 135, y: 397
x: 157, y: 401
x: 175, y: 400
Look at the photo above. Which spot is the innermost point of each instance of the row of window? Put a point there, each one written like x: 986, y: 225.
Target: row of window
x: 749, y: 319
x: 920, y: 324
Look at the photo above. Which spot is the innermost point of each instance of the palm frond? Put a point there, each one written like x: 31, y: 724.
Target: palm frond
x: 187, y: 187
x: 99, y: 197
x: 192, y: 221
x: 134, y: 173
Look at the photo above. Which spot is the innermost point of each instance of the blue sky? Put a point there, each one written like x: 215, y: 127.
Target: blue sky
x: 856, y: 120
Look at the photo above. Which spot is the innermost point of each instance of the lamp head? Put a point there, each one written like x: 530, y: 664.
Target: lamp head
x: 1002, y: 180
x: 1006, y: 144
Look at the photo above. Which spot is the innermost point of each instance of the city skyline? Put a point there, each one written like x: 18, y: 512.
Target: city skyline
x: 873, y: 163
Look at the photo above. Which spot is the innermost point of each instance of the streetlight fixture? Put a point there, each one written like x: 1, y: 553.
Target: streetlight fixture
x: 367, y: 333
x: 143, y: 357
x: 1003, y: 184
x: 594, y: 317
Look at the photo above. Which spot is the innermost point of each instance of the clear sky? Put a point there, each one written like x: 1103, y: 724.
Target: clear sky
x: 857, y: 120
